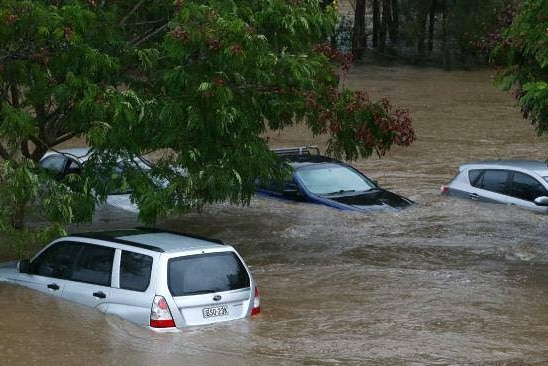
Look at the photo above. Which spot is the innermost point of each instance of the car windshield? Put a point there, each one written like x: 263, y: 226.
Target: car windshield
x: 545, y: 178
x: 329, y: 179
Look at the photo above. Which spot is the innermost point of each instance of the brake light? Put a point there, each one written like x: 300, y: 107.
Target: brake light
x: 256, y: 303
x: 160, y: 316
x: 444, y: 189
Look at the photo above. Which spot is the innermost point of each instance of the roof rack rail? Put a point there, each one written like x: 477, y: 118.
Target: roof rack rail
x: 298, y: 150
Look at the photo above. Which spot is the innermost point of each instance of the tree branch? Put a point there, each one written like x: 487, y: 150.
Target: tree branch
x: 135, y: 8
x: 137, y: 42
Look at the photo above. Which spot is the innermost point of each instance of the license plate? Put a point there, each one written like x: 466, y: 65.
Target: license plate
x: 216, y: 311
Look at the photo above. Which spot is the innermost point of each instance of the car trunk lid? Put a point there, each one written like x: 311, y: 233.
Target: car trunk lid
x: 214, y: 307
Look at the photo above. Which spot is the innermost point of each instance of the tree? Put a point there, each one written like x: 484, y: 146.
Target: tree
x: 359, y: 35
x: 200, y: 81
x: 521, y: 53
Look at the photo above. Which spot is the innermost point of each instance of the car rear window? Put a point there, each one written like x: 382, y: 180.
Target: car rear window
x: 206, y: 273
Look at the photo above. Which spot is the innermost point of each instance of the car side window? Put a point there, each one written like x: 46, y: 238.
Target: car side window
x: 55, y: 165
x: 473, y: 176
x: 56, y: 261
x: 94, y: 265
x: 493, y: 180
x: 135, y: 271
x: 526, y: 187
x: 73, y: 167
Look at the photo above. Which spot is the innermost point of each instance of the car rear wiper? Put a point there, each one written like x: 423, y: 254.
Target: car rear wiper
x: 201, y: 292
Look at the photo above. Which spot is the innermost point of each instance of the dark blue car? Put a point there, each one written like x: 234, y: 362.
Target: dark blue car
x: 323, y: 180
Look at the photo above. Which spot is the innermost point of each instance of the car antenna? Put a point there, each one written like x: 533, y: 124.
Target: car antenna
x: 498, y: 156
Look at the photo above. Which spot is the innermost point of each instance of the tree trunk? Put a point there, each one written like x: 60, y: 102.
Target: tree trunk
x: 386, y: 17
x: 394, y: 27
x: 422, y: 33
x: 359, y: 38
x: 376, y: 22
x: 444, y: 45
x: 432, y: 18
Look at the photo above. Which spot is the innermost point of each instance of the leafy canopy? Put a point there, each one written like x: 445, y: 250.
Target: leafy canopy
x: 197, y: 82
x: 522, y: 55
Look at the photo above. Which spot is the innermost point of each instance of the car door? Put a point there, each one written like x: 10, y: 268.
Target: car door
x: 51, y: 268
x: 90, y: 280
x: 490, y: 185
x: 133, y: 287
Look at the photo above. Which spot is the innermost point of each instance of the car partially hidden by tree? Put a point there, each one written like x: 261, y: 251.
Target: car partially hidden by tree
x: 319, y: 179
x: 60, y: 164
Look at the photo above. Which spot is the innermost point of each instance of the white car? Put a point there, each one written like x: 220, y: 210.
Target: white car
x: 70, y: 161
x: 159, y: 279
x: 522, y: 183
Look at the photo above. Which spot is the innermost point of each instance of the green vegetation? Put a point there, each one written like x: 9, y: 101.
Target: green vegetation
x: 199, y: 81
x: 522, y: 55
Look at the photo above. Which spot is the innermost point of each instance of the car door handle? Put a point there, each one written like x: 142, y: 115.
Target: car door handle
x: 474, y: 196
x: 53, y: 286
x: 99, y: 294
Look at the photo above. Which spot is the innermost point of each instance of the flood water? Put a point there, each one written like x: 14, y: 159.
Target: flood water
x: 447, y: 282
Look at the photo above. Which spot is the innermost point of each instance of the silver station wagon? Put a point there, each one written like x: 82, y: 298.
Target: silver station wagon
x: 522, y: 183
x: 159, y: 279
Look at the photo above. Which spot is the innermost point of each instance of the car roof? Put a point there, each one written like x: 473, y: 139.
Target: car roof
x: 300, y: 156
x: 297, y: 161
x: 154, y: 239
x: 79, y: 153
x: 536, y: 166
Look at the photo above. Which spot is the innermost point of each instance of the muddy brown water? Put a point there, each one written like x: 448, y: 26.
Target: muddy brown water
x: 447, y: 282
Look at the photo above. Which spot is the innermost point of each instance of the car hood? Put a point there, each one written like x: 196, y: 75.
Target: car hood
x: 377, y: 199
x: 8, y: 270
x: 123, y: 202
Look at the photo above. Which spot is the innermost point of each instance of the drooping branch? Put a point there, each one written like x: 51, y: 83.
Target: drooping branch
x: 131, y: 12
x: 138, y: 41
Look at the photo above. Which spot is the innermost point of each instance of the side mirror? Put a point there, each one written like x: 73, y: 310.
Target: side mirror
x: 541, y: 201
x: 291, y: 191
x: 24, y: 266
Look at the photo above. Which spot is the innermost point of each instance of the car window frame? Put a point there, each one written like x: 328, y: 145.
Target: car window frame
x: 88, y: 246
x: 118, y: 266
x: 479, y: 181
x: 511, y: 185
x: 47, y: 250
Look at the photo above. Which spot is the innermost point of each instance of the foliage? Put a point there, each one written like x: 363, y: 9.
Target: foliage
x: 522, y: 55
x: 199, y: 81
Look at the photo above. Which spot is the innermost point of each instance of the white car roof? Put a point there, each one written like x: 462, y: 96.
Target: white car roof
x: 82, y: 154
x: 537, y: 166
x: 79, y: 153
x: 156, y: 240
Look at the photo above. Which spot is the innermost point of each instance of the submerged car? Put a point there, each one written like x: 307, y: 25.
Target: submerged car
x: 63, y: 162
x: 522, y: 183
x: 323, y: 180
x: 159, y: 279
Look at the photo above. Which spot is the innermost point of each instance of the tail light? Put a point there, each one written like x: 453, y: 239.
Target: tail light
x: 256, y: 303
x: 444, y: 189
x: 160, y: 316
